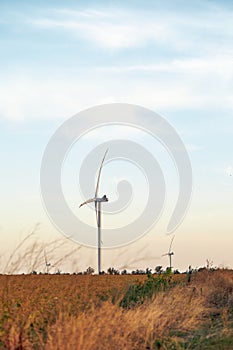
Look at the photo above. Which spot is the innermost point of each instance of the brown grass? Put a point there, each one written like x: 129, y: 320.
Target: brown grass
x: 70, y: 312
x: 133, y: 329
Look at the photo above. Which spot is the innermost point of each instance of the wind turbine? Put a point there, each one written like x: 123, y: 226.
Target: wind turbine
x: 98, y: 200
x: 170, y: 253
x: 47, y: 264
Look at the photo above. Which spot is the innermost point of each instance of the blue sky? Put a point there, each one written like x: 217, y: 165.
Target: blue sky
x: 174, y: 57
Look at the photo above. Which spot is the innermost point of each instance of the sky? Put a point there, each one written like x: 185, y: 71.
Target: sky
x: 173, y: 57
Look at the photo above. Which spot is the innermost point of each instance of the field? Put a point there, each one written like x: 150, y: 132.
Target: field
x: 117, y: 311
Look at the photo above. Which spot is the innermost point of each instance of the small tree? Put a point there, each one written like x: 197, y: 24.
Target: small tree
x: 113, y: 271
x: 89, y: 271
x: 159, y: 269
x: 168, y: 270
x: 110, y: 270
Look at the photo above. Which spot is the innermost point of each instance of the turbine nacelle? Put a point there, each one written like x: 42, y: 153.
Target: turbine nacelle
x: 103, y: 199
x: 168, y: 254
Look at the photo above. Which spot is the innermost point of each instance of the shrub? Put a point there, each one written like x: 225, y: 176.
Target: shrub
x: 138, y: 293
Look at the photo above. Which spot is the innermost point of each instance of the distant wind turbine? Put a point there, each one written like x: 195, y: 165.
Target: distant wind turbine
x: 97, y: 200
x: 47, y: 264
x: 170, y: 253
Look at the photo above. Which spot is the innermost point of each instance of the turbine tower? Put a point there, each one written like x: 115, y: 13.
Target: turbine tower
x: 98, y: 201
x: 170, y: 253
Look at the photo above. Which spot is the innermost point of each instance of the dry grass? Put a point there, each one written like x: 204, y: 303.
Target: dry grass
x: 76, y: 312
x: 132, y: 329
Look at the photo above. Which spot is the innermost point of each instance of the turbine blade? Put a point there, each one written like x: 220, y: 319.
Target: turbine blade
x: 171, y: 244
x: 86, y: 202
x: 165, y: 254
x: 100, y: 169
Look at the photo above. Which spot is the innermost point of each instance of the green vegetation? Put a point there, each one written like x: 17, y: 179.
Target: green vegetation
x: 138, y: 293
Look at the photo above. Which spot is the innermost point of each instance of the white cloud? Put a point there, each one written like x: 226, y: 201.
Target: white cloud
x: 39, y: 97
x: 220, y: 65
x: 204, y: 28
x: 88, y: 13
x: 171, y: 82
x: 229, y: 170
x: 106, y: 33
